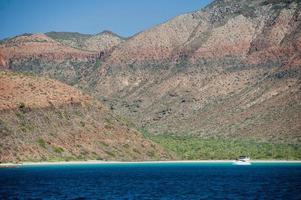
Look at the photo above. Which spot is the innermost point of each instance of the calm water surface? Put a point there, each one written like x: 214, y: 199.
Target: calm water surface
x: 152, y: 181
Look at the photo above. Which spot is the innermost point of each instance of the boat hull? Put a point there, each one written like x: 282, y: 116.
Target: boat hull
x: 241, y: 163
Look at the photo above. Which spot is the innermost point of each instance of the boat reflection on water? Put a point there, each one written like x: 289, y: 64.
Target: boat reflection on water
x: 242, y: 160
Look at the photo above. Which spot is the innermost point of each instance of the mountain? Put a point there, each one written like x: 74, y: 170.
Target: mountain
x: 228, y: 71
x: 103, y: 41
x: 231, y: 69
x: 43, y: 119
x: 60, y: 55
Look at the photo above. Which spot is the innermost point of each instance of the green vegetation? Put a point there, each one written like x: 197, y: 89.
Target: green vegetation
x: 109, y: 124
x: 67, y: 35
x: 74, y: 39
x: 58, y: 150
x: 136, y: 151
x: 22, y: 106
x: 60, y: 114
x: 110, y: 153
x: 82, y: 124
x: 42, y: 143
x: 182, y: 62
x: 97, y: 64
x: 193, y: 148
x: 25, y: 124
x: 150, y: 154
x: 61, y: 159
x: 20, y: 115
x: 101, y: 143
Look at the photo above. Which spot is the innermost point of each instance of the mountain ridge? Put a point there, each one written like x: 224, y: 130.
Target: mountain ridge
x: 102, y: 41
x: 229, y: 70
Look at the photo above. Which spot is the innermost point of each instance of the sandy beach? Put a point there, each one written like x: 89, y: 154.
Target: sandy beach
x: 138, y: 162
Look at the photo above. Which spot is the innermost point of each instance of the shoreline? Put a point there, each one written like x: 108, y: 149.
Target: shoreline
x: 6, y: 165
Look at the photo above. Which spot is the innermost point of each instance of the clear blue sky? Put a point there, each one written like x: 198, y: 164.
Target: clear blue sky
x: 124, y: 17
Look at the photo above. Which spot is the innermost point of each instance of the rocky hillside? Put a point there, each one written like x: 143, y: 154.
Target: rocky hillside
x: 43, y: 119
x: 231, y: 69
x: 31, y: 46
x: 101, y: 42
x: 60, y: 55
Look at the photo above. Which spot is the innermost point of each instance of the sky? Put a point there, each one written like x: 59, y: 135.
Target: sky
x: 124, y: 17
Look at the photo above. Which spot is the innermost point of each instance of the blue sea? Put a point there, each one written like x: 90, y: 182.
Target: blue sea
x: 152, y: 181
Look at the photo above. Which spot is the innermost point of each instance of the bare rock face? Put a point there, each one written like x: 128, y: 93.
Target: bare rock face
x: 2, y: 62
x: 275, y: 41
x: 155, y: 44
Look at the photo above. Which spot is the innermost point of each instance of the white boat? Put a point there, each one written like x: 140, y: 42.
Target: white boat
x: 242, y: 160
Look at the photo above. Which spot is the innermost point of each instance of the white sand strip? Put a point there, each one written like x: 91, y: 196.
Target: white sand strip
x: 139, y: 162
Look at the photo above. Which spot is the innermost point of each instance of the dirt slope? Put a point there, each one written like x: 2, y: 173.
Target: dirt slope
x: 42, y: 119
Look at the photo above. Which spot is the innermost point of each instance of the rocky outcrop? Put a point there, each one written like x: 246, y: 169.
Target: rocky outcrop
x: 2, y: 61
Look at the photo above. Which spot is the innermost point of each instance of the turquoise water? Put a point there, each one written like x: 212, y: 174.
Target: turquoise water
x: 152, y: 181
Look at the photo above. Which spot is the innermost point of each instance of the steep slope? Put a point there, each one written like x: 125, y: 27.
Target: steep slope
x: 3, y: 63
x: 234, y: 70
x: 156, y: 44
x: 43, y: 119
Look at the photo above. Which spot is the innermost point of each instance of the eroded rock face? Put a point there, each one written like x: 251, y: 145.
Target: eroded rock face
x: 277, y: 38
x: 2, y: 62
x: 238, y: 57
x: 155, y: 44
